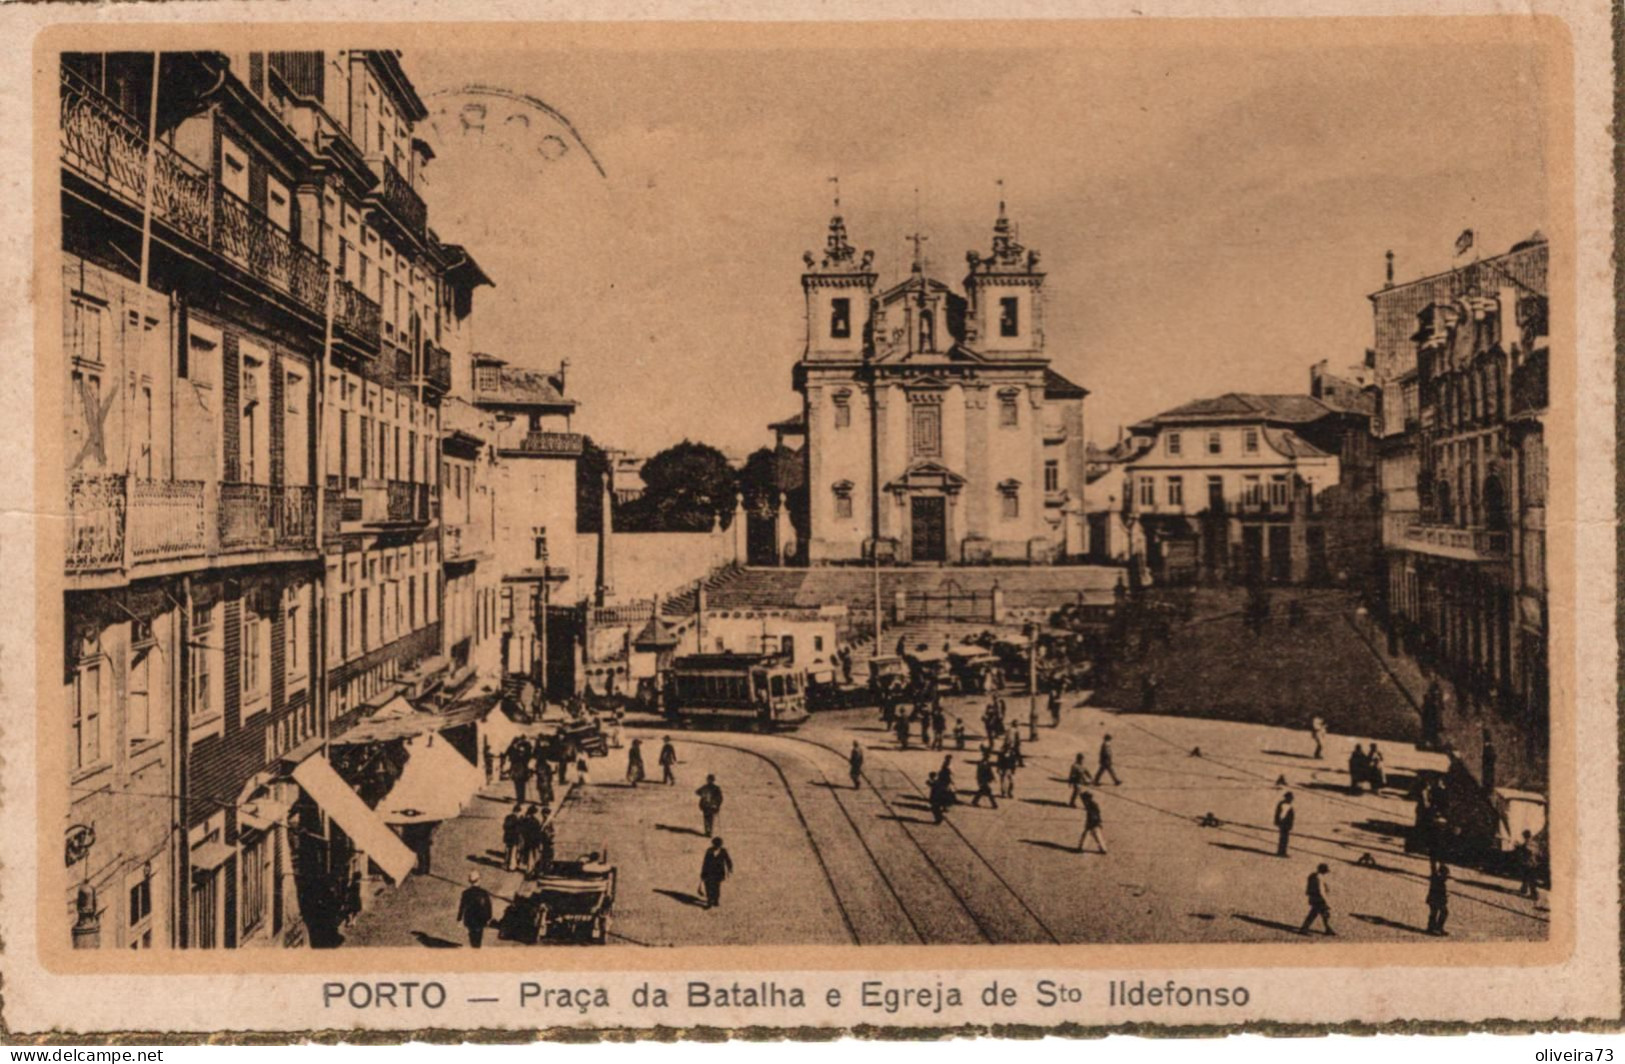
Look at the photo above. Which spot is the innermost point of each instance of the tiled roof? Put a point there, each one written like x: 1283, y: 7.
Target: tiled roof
x: 1245, y: 406
x: 1058, y: 387
x: 1292, y: 445
x: 523, y: 387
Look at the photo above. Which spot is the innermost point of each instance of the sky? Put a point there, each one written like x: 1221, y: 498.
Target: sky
x: 1212, y: 208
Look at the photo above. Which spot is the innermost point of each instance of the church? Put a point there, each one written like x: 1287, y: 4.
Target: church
x: 936, y: 430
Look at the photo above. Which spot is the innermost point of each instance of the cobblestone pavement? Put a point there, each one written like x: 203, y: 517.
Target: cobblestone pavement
x: 819, y: 862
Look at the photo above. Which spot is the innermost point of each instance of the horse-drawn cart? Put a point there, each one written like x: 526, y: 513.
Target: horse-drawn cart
x: 570, y: 901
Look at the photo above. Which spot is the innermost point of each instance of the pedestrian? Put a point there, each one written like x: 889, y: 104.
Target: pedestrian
x: 1007, y: 772
x: 564, y: 750
x: 519, y: 765
x: 1091, y: 822
x: 1077, y: 777
x: 1285, y: 817
x: 511, y: 837
x: 1373, y: 768
x: 902, y: 731
x: 710, y: 796
x: 1319, y: 906
x: 1105, y: 762
x: 544, y: 787
x: 581, y: 768
x: 544, y: 860
x: 933, y: 795
x: 924, y: 712
x: 530, y: 840
x: 946, y: 775
x: 1487, y: 776
x: 1528, y: 866
x: 1148, y: 693
x: 1438, y: 899
x: 1054, y: 708
x: 959, y: 733
x: 353, y: 898
x: 1317, y: 731
x: 615, y: 723
x: 668, y: 760
x: 1032, y: 721
x: 854, y: 763
x: 901, y: 646
x: 715, y: 867
x: 939, y: 726
x: 634, y: 763
x: 846, y: 665
x: 489, y: 757
x: 1358, y: 766
x: 984, y: 782
x: 474, y: 910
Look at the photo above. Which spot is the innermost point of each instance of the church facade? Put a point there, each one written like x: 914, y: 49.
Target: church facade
x: 936, y: 429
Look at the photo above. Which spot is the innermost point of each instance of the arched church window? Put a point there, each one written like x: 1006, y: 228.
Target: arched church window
x: 1009, y: 316
x: 928, y: 331
x: 840, y: 318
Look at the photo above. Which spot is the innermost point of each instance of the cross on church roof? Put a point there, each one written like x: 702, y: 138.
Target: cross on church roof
x: 917, y: 238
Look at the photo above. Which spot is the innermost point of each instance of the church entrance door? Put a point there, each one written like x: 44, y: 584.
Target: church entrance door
x: 930, y: 528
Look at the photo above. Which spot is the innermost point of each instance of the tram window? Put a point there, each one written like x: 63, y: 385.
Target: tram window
x: 791, y: 685
x: 737, y: 691
x: 778, y: 687
x: 761, y: 685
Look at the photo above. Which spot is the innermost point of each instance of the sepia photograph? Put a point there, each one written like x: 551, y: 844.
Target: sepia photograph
x: 592, y: 493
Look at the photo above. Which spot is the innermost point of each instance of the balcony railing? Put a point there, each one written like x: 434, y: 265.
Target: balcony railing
x: 116, y: 522
x: 95, y: 522
x: 249, y: 238
x: 332, y: 512
x: 109, y: 147
x: 437, y: 367
x: 397, y: 196
x: 168, y: 519
x: 1462, y: 544
x: 355, y: 314
x: 552, y: 444
x: 263, y: 517
x: 408, y: 501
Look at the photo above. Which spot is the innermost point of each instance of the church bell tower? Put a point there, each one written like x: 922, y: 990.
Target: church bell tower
x: 838, y: 289
x: 1006, y: 294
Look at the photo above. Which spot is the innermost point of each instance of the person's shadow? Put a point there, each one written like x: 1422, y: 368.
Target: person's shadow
x: 675, y: 830
x: 433, y: 941
x: 687, y: 899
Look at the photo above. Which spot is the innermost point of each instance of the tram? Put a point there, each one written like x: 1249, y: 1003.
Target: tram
x: 762, y: 692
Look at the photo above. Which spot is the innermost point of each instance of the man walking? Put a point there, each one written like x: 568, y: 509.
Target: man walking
x: 902, y: 730
x: 854, y: 763
x: 714, y: 868
x: 634, y: 763
x: 474, y: 910
x: 1078, y: 777
x: 1438, y: 899
x: 1032, y: 721
x: 984, y: 782
x: 1318, y: 904
x: 1054, y: 708
x: 1528, y: 865
x: 668, y: 760
x: 959, y: 732
x: 1106, y: 764
x: 1317, y: 731
x: 519, y: 765
x: 710, y: 796
x: 1091, y: 822
x: 1285, y: 816
x: 511, y: 837
x: 530, y: 840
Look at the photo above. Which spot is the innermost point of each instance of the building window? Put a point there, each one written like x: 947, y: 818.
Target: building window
x: 233, y: 169
x: 202, y: 654
x: 278, y: 206
x: 1148, y: 491
x: 840, y: 318
x: 927, y: 422
x: 843, y: 500
x: 1052, y: 474
x: 1176, y: 491
x: 843, y: 410
x: 366, y: 619
x: 140, y: 923
x: 1009, y: 316
x: 255, y: 632
x: 1278, y: 489
x: 293, y: 629
x: 485, y: 378
x: 87, y: 714
x: 1252, y: 491
x: 256, y: 872
x: 138, y: 695
x: 1010, y: 500
x: 1009, y: 412
x: 1215, y: 493
x: 1215, y: 443
x: 1172, y: 443
x: 1249, y: 441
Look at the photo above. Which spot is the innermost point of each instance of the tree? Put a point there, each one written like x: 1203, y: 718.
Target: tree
x: 687, y: 487
x: 590, y: 473
x: 759, y: 480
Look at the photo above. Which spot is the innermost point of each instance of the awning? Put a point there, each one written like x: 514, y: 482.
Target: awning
x: 208, y: 856
x: 435, y: 783
x: 372, y: 836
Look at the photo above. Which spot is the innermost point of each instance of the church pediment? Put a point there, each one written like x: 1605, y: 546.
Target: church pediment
x: 928, y: 476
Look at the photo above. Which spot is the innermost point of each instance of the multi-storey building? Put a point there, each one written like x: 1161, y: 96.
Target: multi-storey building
x: 254, y: 311
x: 1235, y: 488
x: 534, y: 480
x: 936, y: 429
x: 1461, y: 359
